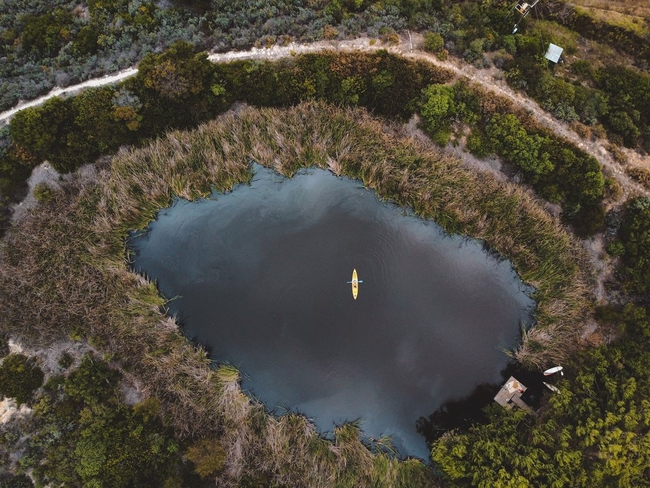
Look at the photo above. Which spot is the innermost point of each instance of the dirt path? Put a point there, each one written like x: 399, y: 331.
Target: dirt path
x: 409, y: 46
x: 104, y: 80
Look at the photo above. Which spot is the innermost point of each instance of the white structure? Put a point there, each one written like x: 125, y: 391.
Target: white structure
x: 554, y: 52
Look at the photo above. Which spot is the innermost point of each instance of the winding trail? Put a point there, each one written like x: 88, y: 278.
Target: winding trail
x: 410, y: 46
x: 104, y: 80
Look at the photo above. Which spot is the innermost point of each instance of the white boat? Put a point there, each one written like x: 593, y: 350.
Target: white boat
x: 553, y: 370
x: 551, y: 387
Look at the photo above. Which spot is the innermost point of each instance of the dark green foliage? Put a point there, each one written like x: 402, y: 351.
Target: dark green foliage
x: 594, y: 433
x: 12, y: 172
x: 577, y: 182
x: 178, y: 74
x: 66, y: 360
x: 88, y: 437
x: 635, y: 237
x: 478, y: 145
x: 38, y: 131
x: 86, y: 41
x: 386, y: 84
x: 433, y: 42
x: 15, y: 481
x: 438, y: 111
x: 467, y: 103
x: 577, y: 176
x: 586, y: 220
x: 43, y: 193
x: 591, y: 105
x: 72, y: 132
x: 96, y: 127
x: 208, y: 456
x: 67, y: 133
x: 93, y: 381
x: 19, y: 377
x: 625, y: 125
x: 528, y: 66
x: 557, y: 96
x: 46, y: 34
x: 511, y: 141
x: 177, y: 89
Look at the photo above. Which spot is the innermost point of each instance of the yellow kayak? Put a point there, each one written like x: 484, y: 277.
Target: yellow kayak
x: 355, y: 284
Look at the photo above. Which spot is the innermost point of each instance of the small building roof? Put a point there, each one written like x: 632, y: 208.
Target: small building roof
x: 511, y: 388
x: 554, y: 52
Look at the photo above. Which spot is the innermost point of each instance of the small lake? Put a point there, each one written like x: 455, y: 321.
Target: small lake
x: 261, y: 274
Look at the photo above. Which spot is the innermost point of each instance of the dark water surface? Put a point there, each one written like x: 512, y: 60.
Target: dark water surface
x: 261, y: 274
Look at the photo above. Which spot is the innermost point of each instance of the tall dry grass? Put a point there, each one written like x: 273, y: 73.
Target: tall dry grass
x: 65, y: 272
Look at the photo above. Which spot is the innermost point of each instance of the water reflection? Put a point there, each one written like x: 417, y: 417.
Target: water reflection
x: 262, y: 277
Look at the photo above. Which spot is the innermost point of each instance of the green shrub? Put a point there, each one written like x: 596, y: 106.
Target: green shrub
x: 438, y: 107
x: 433, y: 42
x: 587, y: 220
x: 43, y: 193
x: 208, y: 457
x: 66, y: 360
x: 441, y: 136
x: 512, y: 142
x: 89, y: 437
x: 19, y: 377
x: 635, y: 236
x: 478, y: 145
x: 15, y: 481
x: 616, y: 248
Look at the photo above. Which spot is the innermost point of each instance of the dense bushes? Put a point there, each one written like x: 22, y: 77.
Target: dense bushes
x: 509, y: 138
x: 63, y: 42
x: 86, y: 436
x: 560, y: 172
x: 635, y: 237
x: 19, y: 378
x: 620, y: 101
x: 628, y: 92
x: 180, y: 88
x: 386, y: 84
x: 617, y: 97
x: 594, y: 433
x: 597, y: 430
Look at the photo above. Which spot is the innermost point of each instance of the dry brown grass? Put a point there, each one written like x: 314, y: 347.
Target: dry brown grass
x: 630, y: 14
x: 640, y: 175
x: 64, y: 272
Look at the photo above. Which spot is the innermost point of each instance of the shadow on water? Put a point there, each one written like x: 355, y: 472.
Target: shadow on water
x: 470, y: 410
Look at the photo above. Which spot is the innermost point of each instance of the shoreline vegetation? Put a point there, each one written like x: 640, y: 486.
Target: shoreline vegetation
x: 65, y: 274
x: 180, y: 88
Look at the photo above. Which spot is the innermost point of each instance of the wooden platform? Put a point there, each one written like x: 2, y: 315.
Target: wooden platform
x: 510, y: 395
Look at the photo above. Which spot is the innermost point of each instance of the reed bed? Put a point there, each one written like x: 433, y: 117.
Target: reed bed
x: 64, y: 271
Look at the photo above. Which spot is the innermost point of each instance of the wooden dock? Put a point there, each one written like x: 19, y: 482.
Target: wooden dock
x: 510, y: 395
